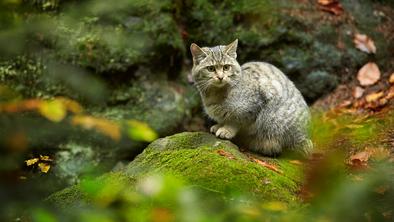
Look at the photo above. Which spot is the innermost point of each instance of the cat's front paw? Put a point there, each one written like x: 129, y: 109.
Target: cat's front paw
x: 215, y: 128
x: 226, y: 132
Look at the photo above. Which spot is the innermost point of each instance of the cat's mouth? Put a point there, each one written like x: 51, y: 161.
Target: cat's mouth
x: 220, y: 83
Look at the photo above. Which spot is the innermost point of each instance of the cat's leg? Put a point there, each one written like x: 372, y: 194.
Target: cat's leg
x: 226, y: 131
x: 215, y: 128
x: 266, y: 147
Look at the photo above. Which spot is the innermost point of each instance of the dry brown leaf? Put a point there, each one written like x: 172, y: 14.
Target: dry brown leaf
x: 372, y: 97
x: 391, y: 79
x: 344, y: 104
x: 44, y: 167
x: 390, y: 93
x: 225, y: 154
x: 369, y: 74
x: 31, y: 161
x: 326, y: 2
x: 331, y: 6
x: 358, y: 92
x: 359, y: 159
x: 267, y: 165
x: 364, y: 43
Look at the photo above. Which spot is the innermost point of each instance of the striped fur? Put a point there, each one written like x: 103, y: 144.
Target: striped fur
x: 255, y: 104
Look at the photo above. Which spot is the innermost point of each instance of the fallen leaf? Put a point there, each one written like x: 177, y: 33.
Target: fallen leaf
x: 331, y: 6
x: 44, y: 167
x: 374, y: 96
x: 45, y: 158
x: 267, y: 165
x: 364, y: 43
x: 222, y: 152
x: 71, y: 105
x: 53, y: 110
x: 344, y: 104
x: 358, y: 92
x: 31, y: 161
x: 359, y: 159
x: 326, y: 2
x: 390, y: 93
x: 296, y: 162
x: 20, y: 106
x: 103, y: 126
x: 369, y: 74
x: 141, y: 131
x: 391, y: 79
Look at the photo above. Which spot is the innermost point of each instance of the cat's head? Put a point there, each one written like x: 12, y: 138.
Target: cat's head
x: 216, y: 66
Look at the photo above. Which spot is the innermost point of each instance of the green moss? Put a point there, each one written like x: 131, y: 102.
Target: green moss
x: 195, y: 157
x: 201, y: 160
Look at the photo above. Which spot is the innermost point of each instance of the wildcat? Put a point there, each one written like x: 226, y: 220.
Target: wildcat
x: 255, y: 105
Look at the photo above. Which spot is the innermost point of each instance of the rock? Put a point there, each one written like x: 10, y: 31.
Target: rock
x: 147, y: 103
x: 148, y: 100
x: 202, y: 160
x: 317, y: 83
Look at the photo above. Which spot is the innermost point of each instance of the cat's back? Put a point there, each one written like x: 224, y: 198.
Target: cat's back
x: 263, y: 71
x: 269, y: 80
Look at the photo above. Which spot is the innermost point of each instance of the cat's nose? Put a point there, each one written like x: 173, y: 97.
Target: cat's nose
x: 220, y: 78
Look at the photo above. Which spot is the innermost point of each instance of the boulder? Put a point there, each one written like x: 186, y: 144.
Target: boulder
x: 201, y: 160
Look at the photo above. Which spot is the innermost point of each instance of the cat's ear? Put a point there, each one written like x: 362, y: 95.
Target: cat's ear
x: 197, y: 53
x: 231, y: 49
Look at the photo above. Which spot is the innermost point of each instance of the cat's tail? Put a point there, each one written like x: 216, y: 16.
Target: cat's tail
x: 305, y: 148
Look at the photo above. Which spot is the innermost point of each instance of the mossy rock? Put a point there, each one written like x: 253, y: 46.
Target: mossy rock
x: 201, y: 160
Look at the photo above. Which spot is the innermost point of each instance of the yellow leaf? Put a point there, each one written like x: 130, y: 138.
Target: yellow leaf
x: 373, y: 96
x: 70, y: 105
x: 53, y: 110
x: 45, y: 158
x: 140, y: 131
x: 103, y: 126
x: 31, y: 161
x: 296, y: 162
x: 44, y: 167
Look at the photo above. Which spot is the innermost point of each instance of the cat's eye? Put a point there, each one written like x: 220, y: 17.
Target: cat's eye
x: 226, y: 67
x: 211, y: 68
